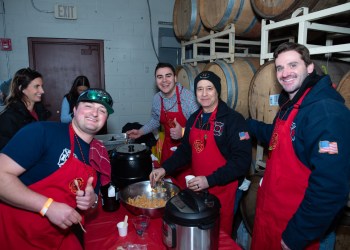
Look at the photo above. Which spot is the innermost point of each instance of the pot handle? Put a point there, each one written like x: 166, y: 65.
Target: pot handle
x: 193, y: 200
x: 169, y: 234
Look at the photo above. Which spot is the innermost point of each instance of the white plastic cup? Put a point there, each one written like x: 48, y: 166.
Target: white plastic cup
x: 122, y: 229
x: 187, y: 178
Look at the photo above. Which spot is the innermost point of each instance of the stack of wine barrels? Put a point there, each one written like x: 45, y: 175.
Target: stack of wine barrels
x: 280, y: 10
x: 235, y: 81
x: 247, y: 87
x: 197, y: 17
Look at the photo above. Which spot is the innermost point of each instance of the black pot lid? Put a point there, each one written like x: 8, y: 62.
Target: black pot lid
x: 191, y: 208
x: 132, y: 148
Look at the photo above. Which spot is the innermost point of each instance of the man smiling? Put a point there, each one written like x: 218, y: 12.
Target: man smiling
x: 306, y: 182
x: 48, y: 177
x: 171, y: 107
x: 213, y: 143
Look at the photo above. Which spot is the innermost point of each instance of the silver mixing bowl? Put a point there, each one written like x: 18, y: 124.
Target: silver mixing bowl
x: 144, y: 187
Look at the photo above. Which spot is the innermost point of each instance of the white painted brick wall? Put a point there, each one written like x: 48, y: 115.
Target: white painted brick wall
x: 124, y: 27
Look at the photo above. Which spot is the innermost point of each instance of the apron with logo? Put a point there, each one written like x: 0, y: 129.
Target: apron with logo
x: 206, y: 158
x: 22, y: 229
x: 167, y: 120
x: 282, y: 189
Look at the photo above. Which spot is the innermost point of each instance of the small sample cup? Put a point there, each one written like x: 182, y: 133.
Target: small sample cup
x: 122, y: 229
x: 188, y: 177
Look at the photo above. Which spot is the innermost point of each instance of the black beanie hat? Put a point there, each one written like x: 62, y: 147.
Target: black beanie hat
x: 210, y: 76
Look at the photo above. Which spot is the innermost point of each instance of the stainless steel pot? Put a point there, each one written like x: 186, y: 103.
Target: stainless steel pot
x: 144, y: 188
x: 130, y: 163
x: 191, y: 221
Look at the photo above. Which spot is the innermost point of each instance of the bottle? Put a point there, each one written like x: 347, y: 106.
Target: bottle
x: 110, y: 197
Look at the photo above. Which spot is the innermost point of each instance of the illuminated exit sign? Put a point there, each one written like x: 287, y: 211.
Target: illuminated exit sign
x: 65, y: 12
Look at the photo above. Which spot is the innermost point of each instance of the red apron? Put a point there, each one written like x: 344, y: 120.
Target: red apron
x: 22, y: 229
x: 206, y: 158
x: 283, y: 187
x: 167, y: 120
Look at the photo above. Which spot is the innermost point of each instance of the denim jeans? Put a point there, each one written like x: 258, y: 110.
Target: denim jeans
x: 328, y: 242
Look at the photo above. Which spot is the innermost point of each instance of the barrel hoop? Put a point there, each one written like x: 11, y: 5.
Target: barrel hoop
x: 239, y: 11
x: 226, y: 70
x: 190, y: 76
x: 199, y: 28
x: 251, y: 26
x: 251, y: 66
x: 193, y: 20
x: 223, y: 21
x: 236, y: 86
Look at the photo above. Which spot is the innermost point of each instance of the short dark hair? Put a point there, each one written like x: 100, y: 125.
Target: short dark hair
x: 164, y: 65
x: 299, y: 48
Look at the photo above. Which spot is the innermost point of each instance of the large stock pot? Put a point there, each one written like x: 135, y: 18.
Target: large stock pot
x: 130, y: 163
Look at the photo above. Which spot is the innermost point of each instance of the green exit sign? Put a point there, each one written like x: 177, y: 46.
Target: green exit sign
x: 65, y: 12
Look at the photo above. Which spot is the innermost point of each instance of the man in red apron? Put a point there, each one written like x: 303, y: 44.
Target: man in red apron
x: 217, y: 144
x: 49, y: 185
x: 171, y: 107
x: 306, y: 181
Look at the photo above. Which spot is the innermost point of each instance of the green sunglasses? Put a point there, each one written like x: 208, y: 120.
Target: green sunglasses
x: 99, y: 96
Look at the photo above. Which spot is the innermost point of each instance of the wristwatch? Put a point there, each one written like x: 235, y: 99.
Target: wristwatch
x: 95, y: 203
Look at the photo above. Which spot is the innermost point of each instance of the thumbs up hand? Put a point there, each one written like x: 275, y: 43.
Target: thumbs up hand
x: 87, y: 198
x: 176, y: 132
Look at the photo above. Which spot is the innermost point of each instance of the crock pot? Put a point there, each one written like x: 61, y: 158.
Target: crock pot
x: 130, y: 163
x: 191, y: 221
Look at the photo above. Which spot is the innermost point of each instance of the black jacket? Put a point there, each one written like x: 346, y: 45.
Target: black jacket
x: 15, y: 116
x: 238, y: 153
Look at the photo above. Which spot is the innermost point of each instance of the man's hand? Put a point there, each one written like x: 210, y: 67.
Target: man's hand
x: 176, y: 132
x: 156, y: 175
x: 62, y: 215
x: 86, y: 199
x: 284, y: 246
x: 134, y: 133
x: 198, y: 183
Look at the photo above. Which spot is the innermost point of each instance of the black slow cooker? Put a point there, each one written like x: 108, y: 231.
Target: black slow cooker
x: 130, y: 163
x: 191, y: 221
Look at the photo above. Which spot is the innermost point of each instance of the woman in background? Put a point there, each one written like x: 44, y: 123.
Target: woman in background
x: 23, y: 105
x: 80, y: 84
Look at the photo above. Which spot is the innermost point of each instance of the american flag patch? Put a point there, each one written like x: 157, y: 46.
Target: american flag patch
x: 243, y: 136
x: 328, y: 147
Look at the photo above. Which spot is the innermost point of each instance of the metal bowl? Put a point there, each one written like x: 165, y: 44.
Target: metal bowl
x: 144, y: 187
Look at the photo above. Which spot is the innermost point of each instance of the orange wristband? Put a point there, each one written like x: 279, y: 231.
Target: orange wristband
x: 46, y: 207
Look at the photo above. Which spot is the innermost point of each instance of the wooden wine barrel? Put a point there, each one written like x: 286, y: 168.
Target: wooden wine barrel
x: 344, y: 88
x: 280, y: 10
x: 186, y: 74
x: 335, y: 69
x: 235, y: 81
x: 187, y: 21
x: 216, y: 15
x: 263, y: 93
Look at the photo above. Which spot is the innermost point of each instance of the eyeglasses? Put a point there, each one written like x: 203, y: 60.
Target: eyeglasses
x: 99, y: 95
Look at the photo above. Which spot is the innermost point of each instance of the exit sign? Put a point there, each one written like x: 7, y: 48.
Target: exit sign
x: 65, y: 12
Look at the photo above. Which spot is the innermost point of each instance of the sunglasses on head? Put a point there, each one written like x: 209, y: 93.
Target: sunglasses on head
x: 99, y: 95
